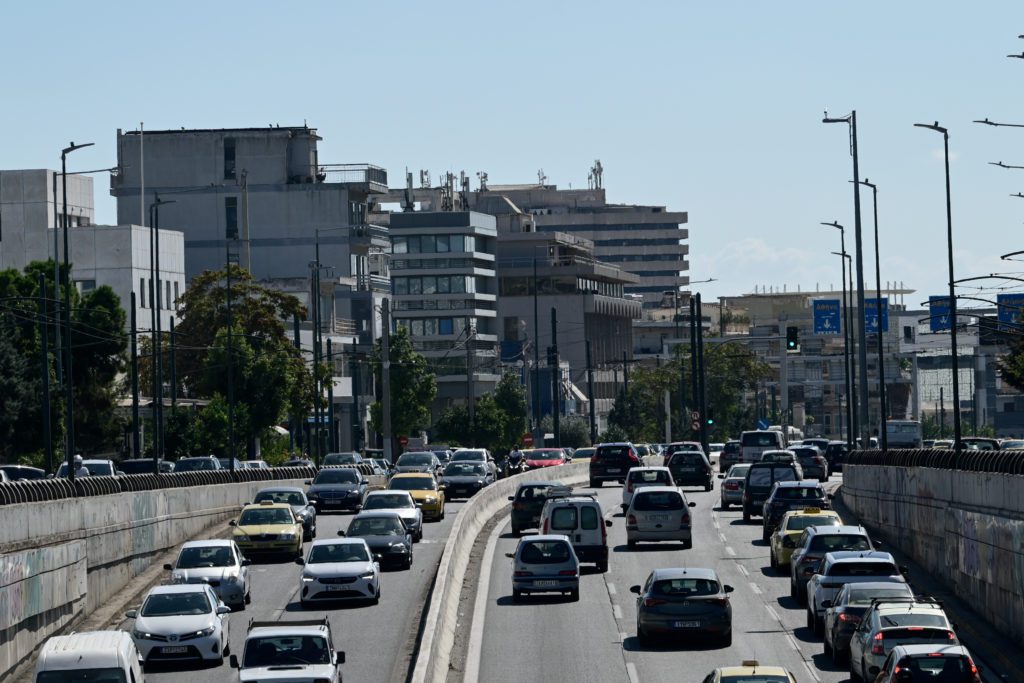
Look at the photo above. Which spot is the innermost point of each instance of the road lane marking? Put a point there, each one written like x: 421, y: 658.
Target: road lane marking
x: 622, y: 637
x: 616, y: 610
x: 611, y: 588
x: 724, y: 539
x: 483, y: 587
x: 729, y: 550
x: 811, y: 671
x: 754, y: 587
x: 634, y: 677
x: 793, y: 644
x: 773, y: 613
x: 742, y: 569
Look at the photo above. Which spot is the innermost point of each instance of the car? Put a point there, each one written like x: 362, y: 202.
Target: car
x: 785, y: 457
x: 181, y: 621
x: 268, y: 528
x: 611, y: 462
x: 755, y: 442
x: 581, y: 518
x: 255, y: 465
x: 300, y: 650
x: 341, y: 488
x: 750, y: 671
x: 197, y: 464
x: 642, y: 450
x: 843, y: 567
x: 98, y: 467
x: 339, y: 569
x: 732, y: 485
x: 790, y: 495
x: 22, y: 472
x: 812, y: 462
x: 844, y: 613
x: 729, y: 456
x: 299, y: 462
x: 425, y: 490
x: 671, y: 449
x: 927, y: 663
x: 537, y: 458
x: 980, y: 443
x: 813, y: 544
x: 528, y: 502
x: 891, y: 622
x: 385, y: 534
x: 659, y: 513
x: 385, y: 466
x: 400, y: 502
x: 818, y: 442
x: 89, y: 656
x: 464, y: 479
x: 545, y: 563
x: 787, y: 531
x: 638, y: 477
x: 230, y: 463
x: 145, y: 466
x: 219, y: 564
x: 347, y: 458
x: 444, y: 455
x: 583, y: 454
x: 418, y: 461
x: 294, y: 496
x: 691, y: 468
x: 836, y: 453
x: 761, y: 477
x: 476, y: 454
x: 944, y: 444
x: 681, y: 602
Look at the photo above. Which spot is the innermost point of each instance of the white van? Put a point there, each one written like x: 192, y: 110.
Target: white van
x: 581, y: 519
x: 102, y: 656
x: 754, y: 443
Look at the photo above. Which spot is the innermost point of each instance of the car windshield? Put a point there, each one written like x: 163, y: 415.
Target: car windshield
x: 196, y: 557
x: 685, y: 587
x: 259, y: 517
x: 338, y: 552
x: 583, y: 453
x: 799, y: 493
x: 194, y: 464
x: 285, y: 650
x: 376, y: 526
x: 341, y: 459
x: 416, y: 459
x: 388, y: 501
x: 545, y: 454
x: 544, y: 552
x: 832, y: 542
x: 412, y: 483
x: 862, y: 569
x: 287, y: 497
x: 337, y: 476
x: 463, y: 469
x: 81, y: 676
x: 462, y: 456
x: 801, y: 522
x: 936, y: 667
x: 865, y: 596
x: 658, y: 500
x: 135, y: 466
x: 174, y: 604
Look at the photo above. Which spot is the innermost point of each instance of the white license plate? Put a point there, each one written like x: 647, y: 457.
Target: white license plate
x: 545, y: 583
x: 657, y: 518
x: 688, y: 470
x: 174, y: 650
x: 686, y: 624
x: 333, y: 588
x: 614, y: 470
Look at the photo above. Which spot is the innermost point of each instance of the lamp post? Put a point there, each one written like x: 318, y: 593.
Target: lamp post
x: 318, y: 341
x: 883, y: 412
x: 69, y: 383
x: 952, y: 283
x: 846, y: 334
x: 156, y: 306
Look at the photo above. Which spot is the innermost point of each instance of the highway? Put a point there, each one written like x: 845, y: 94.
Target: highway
x: 548, y: 638
x: 377, y: 640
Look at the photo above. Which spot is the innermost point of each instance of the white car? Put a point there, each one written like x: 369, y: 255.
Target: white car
x: 217, y: 563
x: 638, y: 477
x: 339, y: 569
x: 181, y: 621
x: 289, y: 650
x: 401, y: 502
x: 843, y: 567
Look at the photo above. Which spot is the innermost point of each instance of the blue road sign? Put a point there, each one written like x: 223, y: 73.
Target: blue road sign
x: 938, y: 310
x: 763, y: 424
x: 871, y: 315
x: 1011, y: 311
x: 827, y: 318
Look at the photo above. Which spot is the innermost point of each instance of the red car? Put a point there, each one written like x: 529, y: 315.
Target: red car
x: 544, y: 457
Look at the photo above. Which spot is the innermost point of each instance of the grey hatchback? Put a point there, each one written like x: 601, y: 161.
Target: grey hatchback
x: 545, y: 564
x: 683, y: 601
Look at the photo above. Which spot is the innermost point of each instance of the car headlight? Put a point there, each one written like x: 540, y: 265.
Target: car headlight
x: 306, y: 578
x: 479, y: 482
x: 367, y: 575
x: 287, y: 537
x: 141, y: 634
x: 399, y: 547
x: 430, y: 499
x: 208, y: 631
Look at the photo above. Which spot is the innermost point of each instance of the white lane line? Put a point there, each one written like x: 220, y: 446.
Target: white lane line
x: 773, y: 613
x: 754, y: 587
x: 811, y: 671
x: 792, y: 642
x: 729, y: 550
x: 742, y: 570
x: 483, y: 587
x: 616, y: 610
x: 722, y: 536
x: 622, y: 637
x: 634, y: 677
x: 611, y: 588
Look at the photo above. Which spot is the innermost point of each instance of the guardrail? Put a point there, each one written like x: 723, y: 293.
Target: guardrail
x: 1000, y: 462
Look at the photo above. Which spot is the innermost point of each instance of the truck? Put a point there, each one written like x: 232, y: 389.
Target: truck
x: 300, y: 651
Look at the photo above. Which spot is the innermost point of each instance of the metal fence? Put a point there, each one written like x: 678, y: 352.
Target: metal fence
x: 996, y: 462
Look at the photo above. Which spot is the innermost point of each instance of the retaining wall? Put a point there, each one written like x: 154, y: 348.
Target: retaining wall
x: 964, y: 527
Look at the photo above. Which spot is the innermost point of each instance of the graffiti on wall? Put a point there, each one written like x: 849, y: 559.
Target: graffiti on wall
x: 34, y: 581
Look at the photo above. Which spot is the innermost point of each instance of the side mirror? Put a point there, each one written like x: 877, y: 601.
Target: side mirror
x: 876, y: 543
x: 635, y: 589
x: 233, y: 661
x: 300, y: 561
x: 826, y: 604
x: 223, y: 609
x: 511, y: 497
x: 340, y: 657
x: 831, y: 496
x: 510, y: 555
x: 904, y: 570
x: 608, y: 522
x: 692, y: 504
x: 168, y: 567
x: 341, y: 532
x: 232, y: 523
x: 131, y: 614
x: 874, y: 670
x: 721, y: 476
x: 727, y: 589
x: 246, y: 561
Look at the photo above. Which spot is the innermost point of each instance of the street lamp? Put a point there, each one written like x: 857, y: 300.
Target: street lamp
x: 847, y: 332
x: 952, y: 283
x: 155, y: 308
x: 318, y: 344
x: 862, y: 351
x: 69, y: 384
x: 883, y: 413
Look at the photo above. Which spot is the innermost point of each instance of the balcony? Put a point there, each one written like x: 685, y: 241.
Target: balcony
x: 373, y: 283
x: 367, y: 235
x: 365, y: 178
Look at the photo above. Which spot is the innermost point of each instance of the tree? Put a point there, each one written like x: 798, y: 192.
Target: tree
x: 510, y: 398
x: 412, y: 387
x: 18, y: 387
x: 575, y: 431
x: 100, y: 343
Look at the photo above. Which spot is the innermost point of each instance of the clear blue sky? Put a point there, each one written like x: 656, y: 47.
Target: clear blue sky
x: 709, y: 107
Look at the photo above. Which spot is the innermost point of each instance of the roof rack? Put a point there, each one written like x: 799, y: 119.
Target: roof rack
x: 915, y: 600
x: 285, y: 624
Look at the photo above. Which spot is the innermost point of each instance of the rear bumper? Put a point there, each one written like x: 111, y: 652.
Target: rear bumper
x: 547, y: 584
x: 732, y: 496
x: 633, y: 534
x: 715, y: 624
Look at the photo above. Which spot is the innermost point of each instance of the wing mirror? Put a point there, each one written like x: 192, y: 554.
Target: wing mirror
x: 510, y: 555
x: 341, y: 532
x: 608, y: 522
x: 511, y: 497
x: 635, y: 589
x: 721, y: 476
x: 232, y: 523
x: 727, y: 589
x: 168, y: 567
x: 904, y: 570
x: 308, y: 483
x: 339, y: 657
x: 131, y: 614
x: 826, y: 604
x: 692, y: 504
x: 246, y: 562
x: 233, y: 661
x: 299, y: 561
x: 223, y: 609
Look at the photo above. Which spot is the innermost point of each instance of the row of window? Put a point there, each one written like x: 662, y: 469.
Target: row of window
x: 563, y: 284
x: 430, y: 327
x: 653, y: 242
x: 605, y: 227
x: 146, y: 294
x: 627, y: 258
x: 441, y: 305
x: 434, y: 284
x: 433, y: 244
x: 408, y: 264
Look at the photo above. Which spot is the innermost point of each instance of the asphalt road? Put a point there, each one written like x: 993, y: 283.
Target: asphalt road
x: 376, y: 639
x: 594, y: 639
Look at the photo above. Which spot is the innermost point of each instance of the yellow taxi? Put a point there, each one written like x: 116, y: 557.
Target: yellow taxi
x: 268, y: 527
x: 783, y: 541
x: 750, y: 671
x: 423, y: 488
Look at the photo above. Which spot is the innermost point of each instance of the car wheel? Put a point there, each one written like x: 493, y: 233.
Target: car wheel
x: 746, y: 517
x: 827, y: 648
x: 727, y: 639
x: 304, y: 604
x: 765, y: 534
x: 248, y: 597
x: 517, y: 595
x: 630, y: 543
x: 408, y: 562
x: 595, y: 484
x: 774, y: 562
x: 688, y: 544
x: 810, y: 620
x: 602, y: 566
x: 840, y: 656
x: 641, y: 636
x: 376, y: 597
x: 624, y: 508
x: 856, y: 675
x: 515, y: 530
x: 574, y: 595
x: 708, y: 486
x: 792, y: 589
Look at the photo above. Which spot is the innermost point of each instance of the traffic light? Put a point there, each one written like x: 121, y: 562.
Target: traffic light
x: 711, y: 418
x: 793, y: 338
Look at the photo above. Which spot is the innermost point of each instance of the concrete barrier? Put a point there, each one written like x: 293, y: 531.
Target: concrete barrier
x: 965, y: 528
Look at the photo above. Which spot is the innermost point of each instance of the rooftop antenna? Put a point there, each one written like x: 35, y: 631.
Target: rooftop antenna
x: 464, y: 192
x: 424, y: 179
x: 541, y: 178
x: 408, y: 204
x: 597, y: 173
x: 482, y: 177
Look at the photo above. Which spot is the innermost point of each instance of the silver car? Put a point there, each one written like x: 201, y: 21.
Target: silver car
x: 659, y: 513
x: 638, y: 477
x: 217, y: 563
x: 545, y: 564
x: 400, y: 502
x: 732, y: 485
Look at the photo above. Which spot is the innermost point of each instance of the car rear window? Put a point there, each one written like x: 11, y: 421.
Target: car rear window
x: 936, y: 666
x: 917, y: 633
x: 688, y: 458
x: 832, y: 542
x: 531, y: 492
x: 760, y: 439
x: 563, y: 518
x: 799, y: 493
x: 864, y: 597
x: 731, y: 448
x: 588, y: 518
x: 685, y: 587
x: 759, y: 476
x: 613, y: 452
x: 646, y: 501
x: 649, y: 476
x: 912, y: 619
x: 862, y: 569
x: 544, y: 552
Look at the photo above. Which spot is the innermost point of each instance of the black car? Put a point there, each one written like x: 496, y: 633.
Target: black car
x: 389, y: 539
x: 691, y: 468
x: 528, y: 503
x: 144, y: 466
x: 791, y: 495
x: 761, y: 477
x: 341, y: 488
x: 836, y: 455
x: 611, y: 462
x: 22, y: 472
x: 463, y: 479
x: 730, y: 455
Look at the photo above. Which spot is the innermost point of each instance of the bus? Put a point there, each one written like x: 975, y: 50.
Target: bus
x: 903, y: 433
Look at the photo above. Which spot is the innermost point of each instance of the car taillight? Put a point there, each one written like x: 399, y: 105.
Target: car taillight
x: 952, y: 636
x: 732, y: 486
x: 518, y: 505
x: 877, y: 647
x: 629, y: 487
x: 545, y: 526
x: 593, y: 458
x: 629, y: 520
x: 721, y: 602
x: 567, y: 572
x: 653, y: 602
x: 685, y: 521
x: 522, y: 573
x: 852, y: 618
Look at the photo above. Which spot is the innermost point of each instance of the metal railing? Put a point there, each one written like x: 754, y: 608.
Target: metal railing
x: 356, y: 173
x: 999, y: 462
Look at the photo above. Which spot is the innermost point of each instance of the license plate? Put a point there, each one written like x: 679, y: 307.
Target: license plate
x: 686, y: 624
x: 688, y: 470
x: 332, y: 588
x: 614, y: 470
x: 546, y: 583
x: 657, y: 518
x: 174, y: 650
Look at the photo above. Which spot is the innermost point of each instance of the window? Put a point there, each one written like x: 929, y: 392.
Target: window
x: 430, y: 326
x: 401, y: 285
x: 428, y: 244
x: 175, y: 292
x: 588, y: 518
x: 231, y: 218
x: 414, y: 245
x: 150, y: 283
x: 445, y: 326
x: 229, y: 158
x: 458, y: 285
x: 86, y: 286
x: 443, y: 285
x: 415, y: 285
x: 417, y: 328
x: 430, y: 284
x: 442, y: 243
x: 167, y: 298
x: 563, y: 519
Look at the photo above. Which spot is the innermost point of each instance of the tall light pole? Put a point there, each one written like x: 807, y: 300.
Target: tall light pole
x: 862, y: 404
x: 156, y: 304
x: 318, y: 345
x: 69, y: 383
x: 883, y: 438
x: 847, y: 333
x: 957, y: 445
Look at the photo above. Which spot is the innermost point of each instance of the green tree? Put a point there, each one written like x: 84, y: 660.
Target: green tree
x: 452, y: 425
x: 100, y: 345
x: 575, y: 431
x: 412, y: 387
x: 19, y: 387
x: 510, y: 399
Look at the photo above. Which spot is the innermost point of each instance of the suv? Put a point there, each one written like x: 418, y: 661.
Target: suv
x: 843, y: 567
x: 527, y: 504
x: 334, y: 459
x: 305, y: 648
x: 611, y: 462
x: 672, y: 448
x: 761, y: 477
x: 754, y: 443
x: 844, y: 614
x: 812, y: 462
x: 691, y: 468
x: 812, y: 546
x: 581, y: 519
x: 889, y: 623
x: 729, y: 456
x: 790, y: 495
x: 835, y: 453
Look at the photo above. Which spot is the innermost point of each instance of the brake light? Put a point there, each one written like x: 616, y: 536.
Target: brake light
x: 852, y: 618
x: 721, y: 602
x: 629, y: 487
x: 630, y: 520
x: 567, y: 572
x: 653, y: 602
x: 518, y: 573
x: 545, y: 526
x: 732, y: 486
x: 685, y: 521
x: 877, y: 647
x: 951, y: 635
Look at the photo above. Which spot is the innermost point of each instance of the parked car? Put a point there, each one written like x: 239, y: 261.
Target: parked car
x: 181, y: 608
x: 659, y: 513
x: 217, y: 563
x: 528, y: 502
x: 545, y: 563
x: 691, y: 468
x: 682, y: 602
x: 339, y: 569
x: 581, y: 518
x: 302, y: 508
x: 611, y: 462
x: 337, y: 487
x: 732, y: 485
x: 385, y: 534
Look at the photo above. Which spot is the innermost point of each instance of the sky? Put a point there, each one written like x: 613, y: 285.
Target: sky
x: 713, y: 108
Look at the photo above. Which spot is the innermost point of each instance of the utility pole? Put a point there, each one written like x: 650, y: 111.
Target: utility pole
x: 385, y: 354
x: 625, y: 376
x: 470, y: 389
x: 231, y: 370
x: 332, y: 435
x: 538, y: 435
x: 694, y: 368
x: 44, y: 337
x: 136, y: 439
x: 357, y: 416
x: 58, y: 346
x: 682, y: 390
x: 590, y: 394
x: 556, y: 393
x: 700, y: 360
x: 174, y: 371
x: 942, y: 412
x: 295, y: 439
